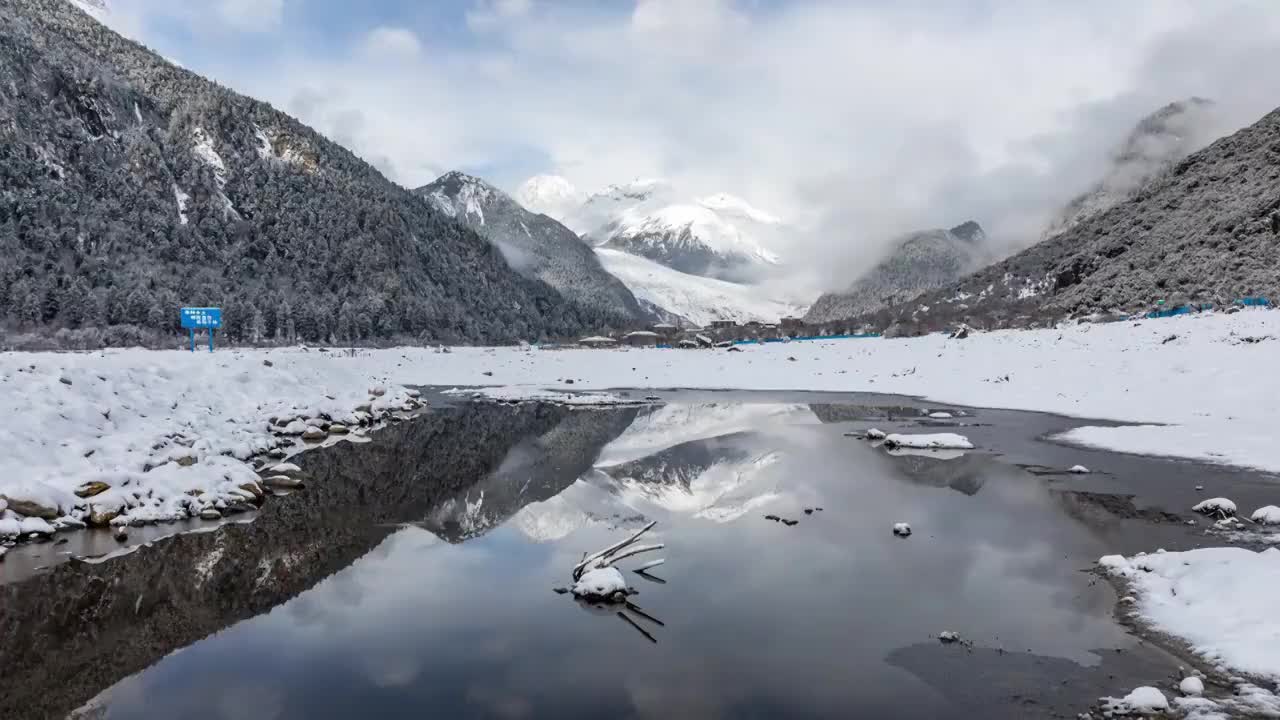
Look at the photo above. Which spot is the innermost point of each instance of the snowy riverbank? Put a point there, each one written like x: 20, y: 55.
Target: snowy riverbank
x: 171, y: 424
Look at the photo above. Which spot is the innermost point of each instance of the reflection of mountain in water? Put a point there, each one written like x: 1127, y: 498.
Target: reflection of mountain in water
x: 963, y: 474
x: 536, y: 469
x: 854, y: 413
x: 78, y: 628
x: 658, y: 428
x: 718, y: 478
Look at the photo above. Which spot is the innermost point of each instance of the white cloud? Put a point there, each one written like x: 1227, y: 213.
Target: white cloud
x: 488, y: 14
x: 862, y: 119
x: 250, y: 15
x: 395, y: 42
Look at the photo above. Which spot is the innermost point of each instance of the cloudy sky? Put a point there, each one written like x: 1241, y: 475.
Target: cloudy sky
x: 860, y: 118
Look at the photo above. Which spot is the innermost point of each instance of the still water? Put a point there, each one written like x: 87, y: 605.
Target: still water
x: 414, y: 578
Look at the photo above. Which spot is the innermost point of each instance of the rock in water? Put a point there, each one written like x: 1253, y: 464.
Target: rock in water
x: 1079, y: 470
x: 210, y: 514
x: 1218, y: 507
x: 314, y: 433
x: 600, y: 584
x: 902, y: 529
x: 282, y: 481
x: 338, y: 429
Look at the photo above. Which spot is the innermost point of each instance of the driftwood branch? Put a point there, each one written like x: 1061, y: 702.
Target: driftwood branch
x: 609, y: 551
x: 633, y: 551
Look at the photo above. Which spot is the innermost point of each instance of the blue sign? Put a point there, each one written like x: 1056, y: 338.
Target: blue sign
x: 197, y: 318
x: 200, y: 318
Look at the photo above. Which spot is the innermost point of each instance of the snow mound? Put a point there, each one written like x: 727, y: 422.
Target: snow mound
x: 935, y: 441
x: 600, y: 583
x: 1269, y: 515
x: 1219, y: 506
x: 1221, y: 601
x: 1145, y: 700
x: 1191, y: 686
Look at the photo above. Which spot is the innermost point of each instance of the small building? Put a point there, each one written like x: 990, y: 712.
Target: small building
x: 687, y: 344
x: 791, y: 323
x: 703, y: 340
x: 665, y: 330
x: 753, y: 324
x: 723, y: 324
x: 641, y: 338
x: 598, y: 341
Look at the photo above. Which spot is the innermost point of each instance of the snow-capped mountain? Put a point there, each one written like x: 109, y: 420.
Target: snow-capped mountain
x: 695, y: 298
x: 534, y: 245
x: 719, y: 236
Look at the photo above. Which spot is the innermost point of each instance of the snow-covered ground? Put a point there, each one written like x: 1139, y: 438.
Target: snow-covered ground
x: 699, y: 299
x: 127, y: 417
x: 1221, y: 601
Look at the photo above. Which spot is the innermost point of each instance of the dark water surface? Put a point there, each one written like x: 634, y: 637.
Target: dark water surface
x: 413, y: 578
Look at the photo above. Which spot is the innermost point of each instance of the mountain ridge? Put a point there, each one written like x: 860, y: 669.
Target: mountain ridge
x: 534, y: 245
x: 133, y: 186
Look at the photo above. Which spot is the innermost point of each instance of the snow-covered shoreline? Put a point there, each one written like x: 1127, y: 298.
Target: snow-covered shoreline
x: 166, y: 424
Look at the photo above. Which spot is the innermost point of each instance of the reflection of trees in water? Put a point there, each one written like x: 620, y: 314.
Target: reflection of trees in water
x: 71, y: 632
x: 964, y: 474
x: 537, y: 468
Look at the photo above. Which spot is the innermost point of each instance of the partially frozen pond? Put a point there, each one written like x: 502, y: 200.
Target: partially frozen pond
x: 414, y: 576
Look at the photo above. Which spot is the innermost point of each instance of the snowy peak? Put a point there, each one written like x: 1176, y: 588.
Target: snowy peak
x: 462, y: 196
x: 691, y: 238
x: 550, y: 195
x: 735, y: 206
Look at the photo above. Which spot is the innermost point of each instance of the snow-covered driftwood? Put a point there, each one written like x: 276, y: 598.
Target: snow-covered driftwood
x: 596, y: 578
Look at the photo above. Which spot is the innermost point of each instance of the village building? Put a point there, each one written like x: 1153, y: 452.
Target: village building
x: 641, y: 338
x: 598, y: 341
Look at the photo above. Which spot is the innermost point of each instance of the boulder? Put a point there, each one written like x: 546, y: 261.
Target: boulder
x: 31, y: 508
x: 314, y: 433
x: 89, y: 489
x: 338, y: 429
x: 210, y: 514
x: 101, y: 516
x: 282, y: 481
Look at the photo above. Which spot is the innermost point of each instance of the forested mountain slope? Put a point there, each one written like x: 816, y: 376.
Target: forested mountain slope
x: 130, y: 186
x: 1208, y: 230
x: 535, y: 245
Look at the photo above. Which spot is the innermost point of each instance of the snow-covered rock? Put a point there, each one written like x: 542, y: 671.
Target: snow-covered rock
x: 1191, y: 686
x: 876, y: 434
x: 1144, y: 700
x: 600, y: 583
x: 933, y: 441
x: 1079, y: 470
x: 940, y: 415
x: 902, y: 529
x: 1219, y: 506
x: 1221, y: 601
x: 1269, y: 515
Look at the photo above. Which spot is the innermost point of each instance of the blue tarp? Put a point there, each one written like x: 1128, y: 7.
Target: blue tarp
x: 1254, y: 301
x: 810, y: 337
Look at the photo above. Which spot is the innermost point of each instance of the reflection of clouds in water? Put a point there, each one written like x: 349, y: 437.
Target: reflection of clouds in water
x: 498, y: 702
x: 392, y: 668
x: 255, y: 700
